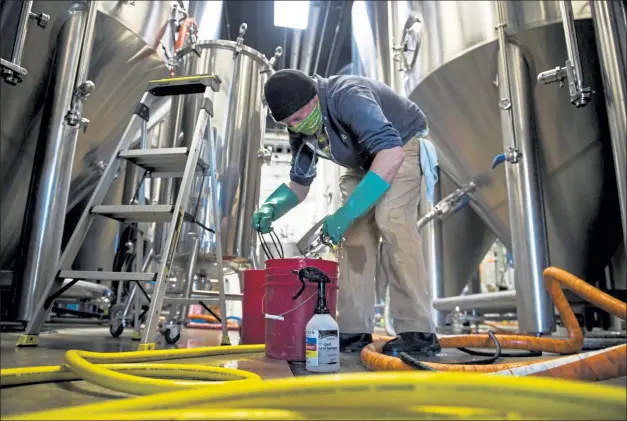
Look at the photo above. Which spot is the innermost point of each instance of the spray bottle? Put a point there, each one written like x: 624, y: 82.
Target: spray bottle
x: 322, y: 332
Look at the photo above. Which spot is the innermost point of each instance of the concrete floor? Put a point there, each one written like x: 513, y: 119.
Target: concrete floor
x: 54, y: 342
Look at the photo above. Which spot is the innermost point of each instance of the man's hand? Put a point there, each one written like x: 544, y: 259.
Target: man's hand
x: 262, y: 219
x: 334, y: 229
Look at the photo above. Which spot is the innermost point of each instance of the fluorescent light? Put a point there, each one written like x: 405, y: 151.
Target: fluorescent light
x: 291, y: 14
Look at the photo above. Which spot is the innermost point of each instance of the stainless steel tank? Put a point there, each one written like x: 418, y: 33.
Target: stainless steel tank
x: 238, y: 125
x: 453, y: 80
x: 464, y: 237
x: 125, y: 57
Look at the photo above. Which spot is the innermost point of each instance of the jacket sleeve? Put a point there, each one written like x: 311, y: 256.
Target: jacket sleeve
x: 303, y: 171
x: 359, y: 110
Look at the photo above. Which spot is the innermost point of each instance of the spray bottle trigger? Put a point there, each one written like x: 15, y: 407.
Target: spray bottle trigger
x: 302, y: 281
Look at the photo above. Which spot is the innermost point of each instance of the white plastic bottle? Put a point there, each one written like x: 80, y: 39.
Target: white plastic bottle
x: 322, y: 344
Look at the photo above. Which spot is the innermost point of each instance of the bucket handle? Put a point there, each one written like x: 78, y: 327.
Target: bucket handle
x: 280, y: 316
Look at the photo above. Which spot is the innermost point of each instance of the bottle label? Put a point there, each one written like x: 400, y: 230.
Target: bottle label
x: 322, y: 347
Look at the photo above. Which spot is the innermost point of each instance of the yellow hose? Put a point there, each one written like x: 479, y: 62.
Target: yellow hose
x: 345, y: 396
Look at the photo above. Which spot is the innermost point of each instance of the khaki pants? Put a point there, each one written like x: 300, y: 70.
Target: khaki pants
x: 393, y: 220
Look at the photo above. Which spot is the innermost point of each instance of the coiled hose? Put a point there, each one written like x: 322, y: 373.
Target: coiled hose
x: 594, y: 366
x: 415, y: 395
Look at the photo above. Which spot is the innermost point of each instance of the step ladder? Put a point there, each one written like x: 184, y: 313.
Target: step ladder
x: 165, y: 163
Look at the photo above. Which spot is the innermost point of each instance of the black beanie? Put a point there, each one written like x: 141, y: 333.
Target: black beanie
x: 287, y: 91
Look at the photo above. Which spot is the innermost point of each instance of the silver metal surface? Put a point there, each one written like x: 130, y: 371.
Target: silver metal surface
x: 309, y: 38
x: 454, y: 82
x: 166, y: 160
x: 238, y: 126
x: 49, y: 197
x: 107, y: 276
x: 297, y: 36
x: 504, y: 301
x: 86, y: 290
x: 610, y: 25
x: 526, y: 211
x: 123, y: 45
x: 136, y: 213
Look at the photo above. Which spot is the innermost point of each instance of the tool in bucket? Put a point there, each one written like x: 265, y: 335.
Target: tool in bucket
x: 314, y: 241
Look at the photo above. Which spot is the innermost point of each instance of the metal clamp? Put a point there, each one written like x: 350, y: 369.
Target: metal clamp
x: 73, y: 116
x: 240, y: 39
x: 511, y: 155
x: 580, y: 95
x: 265, y: 155
x: 11, y: 70
x: 414, y: 26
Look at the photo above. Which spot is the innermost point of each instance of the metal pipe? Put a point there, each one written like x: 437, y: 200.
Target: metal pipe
x: 309, y: 40
x: 83, y: 290
x: 88, y: 42
x: 433, y: 255
x: 609, y: 23
x: 49, y: 197
x: 334, y: 41
x: 526, y: 210
x: 502, y: 301
x: 579, y: 94
x: 324, y: 28
x: 20, y: 36
x: 297, y: 36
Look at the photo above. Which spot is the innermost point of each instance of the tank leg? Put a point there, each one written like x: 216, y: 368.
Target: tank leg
x: 526, y: 212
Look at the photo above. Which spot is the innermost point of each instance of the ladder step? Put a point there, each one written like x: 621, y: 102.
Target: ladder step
x: 95, y: 275
x: 138, y: 213
x: 163, y: 160
x: 184, y: 85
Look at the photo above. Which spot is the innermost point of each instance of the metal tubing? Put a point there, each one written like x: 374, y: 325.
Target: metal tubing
x: 20, y: 36
x: 608, y: 26
x: 503, y: 71
x: 309, y: 40
x: 324, y: 28
x: 502, y: 301
x: 334, y: 41
x: 297, y: 36
x: 568, y: 22
x: 433, y: 255
x: 88, y: 42
x: 49, y: 197
x: 526, y: 211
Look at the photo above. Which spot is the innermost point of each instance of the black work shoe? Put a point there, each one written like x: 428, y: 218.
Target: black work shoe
x: 354, y: 342
x: 413, y: 343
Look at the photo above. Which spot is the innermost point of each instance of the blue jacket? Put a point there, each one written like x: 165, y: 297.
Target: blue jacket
x: 362, y: 117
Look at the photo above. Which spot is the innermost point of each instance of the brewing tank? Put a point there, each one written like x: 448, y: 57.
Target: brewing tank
x: 238, y: 126
x: 454, y: 81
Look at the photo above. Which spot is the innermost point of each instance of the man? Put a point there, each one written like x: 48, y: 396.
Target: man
x: 377, y: 136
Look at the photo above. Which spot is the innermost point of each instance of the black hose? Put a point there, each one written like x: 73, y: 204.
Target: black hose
x: 508, y: 355
x: 420, y: 365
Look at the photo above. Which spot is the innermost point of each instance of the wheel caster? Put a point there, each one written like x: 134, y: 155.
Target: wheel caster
x: 116, y: 329
x: 172, y: 335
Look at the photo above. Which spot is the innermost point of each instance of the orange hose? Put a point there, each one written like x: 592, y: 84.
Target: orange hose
x: 599, y: 366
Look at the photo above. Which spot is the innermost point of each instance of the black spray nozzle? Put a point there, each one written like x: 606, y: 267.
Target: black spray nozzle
x: 313, y: 274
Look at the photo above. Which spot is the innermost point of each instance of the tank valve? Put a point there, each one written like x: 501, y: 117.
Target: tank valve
x: 42, y: 19
x: 511, y: 155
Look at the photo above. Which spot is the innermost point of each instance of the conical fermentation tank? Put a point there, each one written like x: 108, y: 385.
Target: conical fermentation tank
x: 125, y: 56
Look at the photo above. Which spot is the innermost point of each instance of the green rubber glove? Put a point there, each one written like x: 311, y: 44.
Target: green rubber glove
x: 280, y: 202
x: 366, y: 194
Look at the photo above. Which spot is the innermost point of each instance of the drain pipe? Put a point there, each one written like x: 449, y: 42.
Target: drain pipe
x: 609, y: 22
x: 50, y: 188
x: 526, y: 210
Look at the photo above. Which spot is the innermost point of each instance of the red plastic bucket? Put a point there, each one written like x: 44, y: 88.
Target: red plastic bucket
x: 253, y: 322
x: 285, y: 339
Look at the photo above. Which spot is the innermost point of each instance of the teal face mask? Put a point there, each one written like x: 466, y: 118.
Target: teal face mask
x: 311, y: 124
